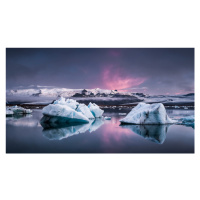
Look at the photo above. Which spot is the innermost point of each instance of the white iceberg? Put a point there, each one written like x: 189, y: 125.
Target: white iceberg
x: 147, y: 114
x: 63, y: 114
x: 95, y: 110
x: 85, y: 111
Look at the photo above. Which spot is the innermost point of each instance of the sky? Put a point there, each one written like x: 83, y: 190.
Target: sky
x: 147, y: 70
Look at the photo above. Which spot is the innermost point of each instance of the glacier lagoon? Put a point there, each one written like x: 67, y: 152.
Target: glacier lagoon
x: 24, y: 134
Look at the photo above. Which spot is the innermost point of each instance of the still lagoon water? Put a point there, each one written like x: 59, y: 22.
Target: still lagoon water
x: 24, y: 134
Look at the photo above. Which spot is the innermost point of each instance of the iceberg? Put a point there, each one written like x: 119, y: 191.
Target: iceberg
x: 95, y: 110
x: 62, y: 114
x: 154, y: 133
x: 147, y: 114
x: 85, y: 111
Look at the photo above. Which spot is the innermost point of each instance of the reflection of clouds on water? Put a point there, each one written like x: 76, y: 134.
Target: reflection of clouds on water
x: 113, y: 132
x: 25, y: 120
x: 58, y: 133
x: 154, y: 133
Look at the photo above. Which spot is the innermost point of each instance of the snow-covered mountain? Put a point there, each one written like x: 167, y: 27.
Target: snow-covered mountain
x: 39, y: 95
x: 65, y: 92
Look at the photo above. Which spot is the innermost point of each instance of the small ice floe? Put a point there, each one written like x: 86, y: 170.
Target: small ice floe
x: 27, y: 111
x: 187, y: 121
x: 185, y: 107
x: 107, y: 118
x: 122, y: 113
x: 176, y: 107
x: 17, y: 110
x: 148, y: 114
x: 9, y: 112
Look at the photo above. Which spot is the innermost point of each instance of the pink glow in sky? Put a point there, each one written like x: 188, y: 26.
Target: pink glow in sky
x: 112, y: 78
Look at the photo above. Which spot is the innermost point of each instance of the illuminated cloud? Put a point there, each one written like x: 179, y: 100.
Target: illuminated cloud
x: 114, y: 78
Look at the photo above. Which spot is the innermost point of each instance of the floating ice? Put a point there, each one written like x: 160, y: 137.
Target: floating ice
x: 187, y: 121
x: 9, y: 112
x: 69, y: 112
x: 154, y: 133
x: 122, y: 113
x: 147, y: 114
x: 95, y: 110
x: 17, y: 110
x: 85, y: 111
x: 107, y: 118
x: 62, y: 114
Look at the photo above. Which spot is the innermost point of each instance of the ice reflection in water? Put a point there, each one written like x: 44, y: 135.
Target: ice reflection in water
x: 154, y: 133
x: 58, y: 132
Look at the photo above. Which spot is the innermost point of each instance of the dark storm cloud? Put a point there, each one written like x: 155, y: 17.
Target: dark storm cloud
x: 159, y: 70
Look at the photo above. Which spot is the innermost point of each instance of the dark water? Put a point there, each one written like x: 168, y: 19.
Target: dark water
x: 24, y: 134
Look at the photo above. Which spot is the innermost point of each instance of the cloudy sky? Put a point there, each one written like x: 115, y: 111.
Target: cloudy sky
x: 148, y: 70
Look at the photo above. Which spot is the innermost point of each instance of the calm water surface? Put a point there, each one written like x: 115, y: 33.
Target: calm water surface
x: 24, y: 134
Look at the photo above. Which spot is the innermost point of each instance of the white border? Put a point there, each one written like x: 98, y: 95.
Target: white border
x: 99, y: 24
